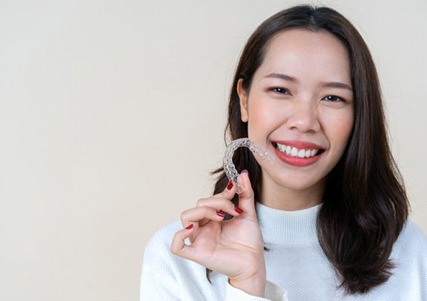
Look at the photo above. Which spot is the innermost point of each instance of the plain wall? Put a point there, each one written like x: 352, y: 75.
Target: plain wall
x: 112, y: 117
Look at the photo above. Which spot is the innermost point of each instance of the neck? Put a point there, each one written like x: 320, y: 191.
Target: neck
x: 290, y: 228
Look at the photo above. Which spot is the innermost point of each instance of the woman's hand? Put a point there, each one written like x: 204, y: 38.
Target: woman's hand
x: 234, y: 247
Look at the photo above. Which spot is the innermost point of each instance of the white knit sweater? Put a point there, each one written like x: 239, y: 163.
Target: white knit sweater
x: 297, y: 269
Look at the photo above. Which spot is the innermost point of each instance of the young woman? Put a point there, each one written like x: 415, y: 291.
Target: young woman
x: 327, y: 220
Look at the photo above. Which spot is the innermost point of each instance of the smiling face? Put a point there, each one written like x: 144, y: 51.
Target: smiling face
x: 300, y: 107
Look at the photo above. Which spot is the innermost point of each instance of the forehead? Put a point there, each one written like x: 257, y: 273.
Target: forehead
x: 297, y: 49
x: 300, y: 37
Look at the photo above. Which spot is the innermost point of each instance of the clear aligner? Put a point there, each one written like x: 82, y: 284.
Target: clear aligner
x: 230, y: 169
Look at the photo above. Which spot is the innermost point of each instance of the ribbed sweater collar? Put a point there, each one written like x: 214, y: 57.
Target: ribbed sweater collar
x: 290, y: 228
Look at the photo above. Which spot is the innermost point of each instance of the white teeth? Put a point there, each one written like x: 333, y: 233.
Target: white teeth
x: 281, y: 148
x: 294, y: 152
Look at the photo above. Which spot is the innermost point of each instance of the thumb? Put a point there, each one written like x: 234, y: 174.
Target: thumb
x: 246, y: 196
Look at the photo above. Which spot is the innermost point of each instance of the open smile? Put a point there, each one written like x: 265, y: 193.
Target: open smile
x: 298, y: 154
x: 295, y: 152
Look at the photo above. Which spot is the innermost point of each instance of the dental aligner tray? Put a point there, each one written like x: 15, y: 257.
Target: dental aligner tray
x: 230, y: 168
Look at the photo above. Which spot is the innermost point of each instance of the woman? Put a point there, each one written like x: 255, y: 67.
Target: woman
x: 327, y: 220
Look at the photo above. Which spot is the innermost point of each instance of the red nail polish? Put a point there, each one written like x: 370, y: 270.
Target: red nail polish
x: 238, y: 210
x: 229, y: 185
x: 220, y: 213
x: 189, y: 227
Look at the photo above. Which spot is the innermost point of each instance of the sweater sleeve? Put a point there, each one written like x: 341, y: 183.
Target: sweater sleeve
x: 169, y: 277
x: 272, y: 293
x: 152, y: 288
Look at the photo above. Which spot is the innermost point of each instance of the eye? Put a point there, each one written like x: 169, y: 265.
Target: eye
x: 333, y: 98
x: 279, y: 90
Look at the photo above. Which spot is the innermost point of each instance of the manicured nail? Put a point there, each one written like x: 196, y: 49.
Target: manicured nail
x: 245, y: 171
x: 189, y: 227
x: 229, y: 185
x: 220, y: 213
x: 238, y: 210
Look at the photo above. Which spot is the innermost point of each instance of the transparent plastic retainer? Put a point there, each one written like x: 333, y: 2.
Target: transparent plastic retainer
x: 229, y: 167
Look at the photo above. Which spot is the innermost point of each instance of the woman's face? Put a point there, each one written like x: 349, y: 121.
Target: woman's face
x: 300, y: 107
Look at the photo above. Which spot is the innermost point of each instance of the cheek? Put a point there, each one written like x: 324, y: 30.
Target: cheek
x: 263, y: 118
x: 339, y: 130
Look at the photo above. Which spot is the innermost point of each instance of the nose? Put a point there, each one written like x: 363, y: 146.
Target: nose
x: 303, y: 117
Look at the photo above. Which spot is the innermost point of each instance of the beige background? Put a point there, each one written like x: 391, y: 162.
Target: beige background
x: 111, y: 118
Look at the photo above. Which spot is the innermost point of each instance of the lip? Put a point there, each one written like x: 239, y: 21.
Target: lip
x: 296, y: 161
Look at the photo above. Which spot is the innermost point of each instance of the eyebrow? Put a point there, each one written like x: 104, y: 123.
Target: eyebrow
x: 338, y: 85
x: 281, y: 76
x: 327, y: 84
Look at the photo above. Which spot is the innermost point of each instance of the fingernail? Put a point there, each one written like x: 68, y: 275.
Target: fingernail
x: 229, y: 185
x: 245, y: 171
x: 238, y: 210
x: 220, y: 213
x: 189, y: 227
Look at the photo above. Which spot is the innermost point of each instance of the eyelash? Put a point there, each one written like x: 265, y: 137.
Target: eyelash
x: 279, y: 90
x: 336, y: 98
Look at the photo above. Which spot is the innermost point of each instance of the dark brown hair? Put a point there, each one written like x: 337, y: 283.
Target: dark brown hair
x: 364, y: 205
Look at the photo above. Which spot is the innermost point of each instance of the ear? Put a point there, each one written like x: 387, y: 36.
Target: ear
x: 243, y: 96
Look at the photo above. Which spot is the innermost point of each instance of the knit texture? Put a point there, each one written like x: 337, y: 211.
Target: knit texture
x: 297, y: 269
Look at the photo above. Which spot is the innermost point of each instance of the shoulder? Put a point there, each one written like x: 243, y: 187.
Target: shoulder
x: 413, y: 233
x: 159, y: 264
x: 410, y: 260
x: 411, y: 241
x: 166, y: 276
x: 159, y: 244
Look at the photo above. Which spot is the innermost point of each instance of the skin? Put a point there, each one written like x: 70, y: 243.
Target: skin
x: 301, y: 92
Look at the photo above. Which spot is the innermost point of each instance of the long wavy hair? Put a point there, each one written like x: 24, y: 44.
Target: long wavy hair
x: 364, y: 204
